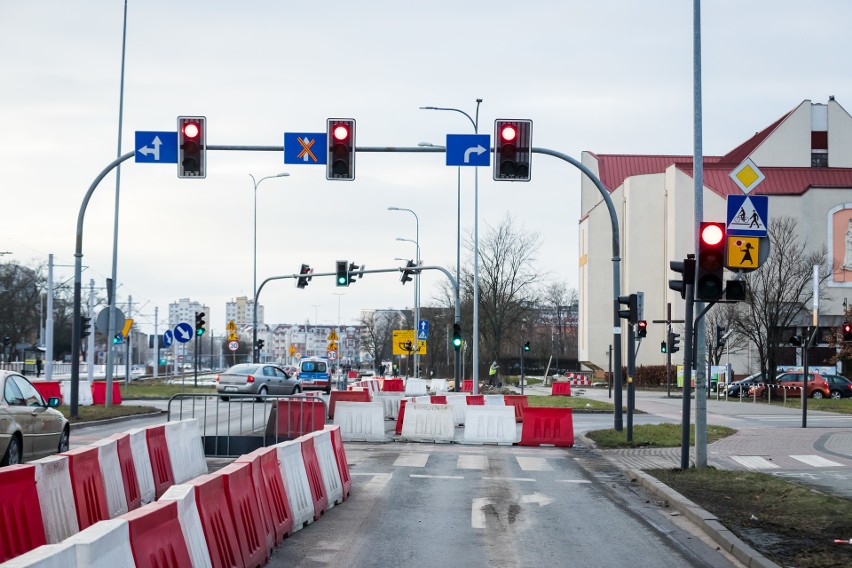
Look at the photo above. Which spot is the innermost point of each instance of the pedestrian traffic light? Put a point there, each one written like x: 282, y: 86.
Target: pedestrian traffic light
x: 709, y: 279
x: 663, y: 347
x: 847, y: 331
x: 85, y: 327
x: 340, y: 158
x: 6, y: 340
x: 631, y: 314
x: 674, y: 339
x: 354, y: 270
x: 686, y: 268
x: 303, y: 279
x: 118, y: 339
x: 720, y: 335
x: 642, y: 329
x: 199, y: 324
x: 457, y: 337
x: 192, y: 146
x: 259, y: 344
x: 527, y: 346
x: 512, y: 149
x: 342, y: 278
x: 407, y: 272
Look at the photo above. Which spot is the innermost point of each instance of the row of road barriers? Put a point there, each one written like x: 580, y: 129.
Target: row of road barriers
x: 233, y: 517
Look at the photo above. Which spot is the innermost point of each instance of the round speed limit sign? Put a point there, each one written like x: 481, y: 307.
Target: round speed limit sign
x: 233, y: 345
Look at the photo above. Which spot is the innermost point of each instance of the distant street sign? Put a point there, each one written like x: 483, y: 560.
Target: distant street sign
x: 233, y: 345
x: 423, y: 330
x: 332, y: 336
x: 102, y: 322
x: 305, y: 148
x: 183, y: 332
x: 156, y: 147
x: 168, y: 338
x: 231, y: 326
x: 332, y: 355
x: 468, y: 149
x: 747, y: 215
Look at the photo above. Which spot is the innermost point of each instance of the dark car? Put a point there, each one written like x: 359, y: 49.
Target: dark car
x: 256, y: 378
x: 839, y: 387
x: 29, y: 427
x: 741, y: 387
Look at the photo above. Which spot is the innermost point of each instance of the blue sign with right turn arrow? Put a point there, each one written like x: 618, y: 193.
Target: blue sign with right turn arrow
x: 468, y: 149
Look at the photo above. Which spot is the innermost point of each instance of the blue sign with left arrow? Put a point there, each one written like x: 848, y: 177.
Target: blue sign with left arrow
x: 468, y: 149
x: 156, y: 147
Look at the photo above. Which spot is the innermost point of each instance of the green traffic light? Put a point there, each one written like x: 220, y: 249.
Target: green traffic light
x: 199, y: 332
x: 663, y: 347
x: 457, y: 342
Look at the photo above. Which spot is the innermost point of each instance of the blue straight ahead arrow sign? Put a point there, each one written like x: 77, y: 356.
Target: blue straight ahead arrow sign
x: 468, y: 149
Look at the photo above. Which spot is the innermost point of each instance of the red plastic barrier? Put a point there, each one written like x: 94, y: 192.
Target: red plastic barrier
x: 161, y: 463
x: 340, y: 455
x: 312, y: 468
x: 216, y: 521
x: 393, y: 385
x: 467, y: 386
x: 400, y: 417
x: 156, y: 538
x: 352, y: 375
x: 87, y: 484
x: 298, y: 416
x: 271, y: 492
x: 561, y: 389
x: 519, y: 401
x: 475, y: 400
x: 48, y: 389
x: 438, y: 399
x: 99, y: 393
x: 544, y: 426
x: 348, y: 396
x: 128, y: 471
x: 246, y: 514
x: 20, y: 515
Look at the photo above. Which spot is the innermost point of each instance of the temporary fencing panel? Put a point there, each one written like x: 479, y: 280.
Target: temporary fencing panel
x: 23, y: 527
x: 312, y: 468
x: 111, y: 474
x: 295, y: 477
x: 190, y: 523
x: 362, y: 421
x: 128, y: 470
x: 56, y: 498
x: 156, y: 538
x: 328, y: 467
x: 349, y: 396
x: 340, y: 456
x: 105, y: 544
x: 142, y: 464
x: 161, y: 463
x: 547, y: 427
x: 216, y: 521
x: 245, y: 511
x: 88, y: 486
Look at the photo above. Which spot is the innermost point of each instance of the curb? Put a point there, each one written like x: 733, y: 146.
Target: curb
x: 704, y: 520
x: 92, y: 423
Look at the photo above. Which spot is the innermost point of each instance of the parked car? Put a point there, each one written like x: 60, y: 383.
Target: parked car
x: 741, y: 387
x: 790, y: 385
x: 29, y: 427
x: 840, y: 387
x: 255, y: 378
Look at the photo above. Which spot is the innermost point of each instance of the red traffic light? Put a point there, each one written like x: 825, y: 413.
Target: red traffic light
x: 508, y: 133
x: 712, y: 234
x: 340, y: 132
x: 191, y: 130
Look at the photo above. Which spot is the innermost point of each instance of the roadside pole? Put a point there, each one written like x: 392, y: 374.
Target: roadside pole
x: 631, y: 371
x: 687, y: 378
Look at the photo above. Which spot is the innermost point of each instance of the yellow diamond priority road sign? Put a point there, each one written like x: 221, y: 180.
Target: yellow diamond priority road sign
x: 747, y: 176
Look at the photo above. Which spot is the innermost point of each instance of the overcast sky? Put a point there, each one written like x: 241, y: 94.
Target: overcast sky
x: 604, y: 76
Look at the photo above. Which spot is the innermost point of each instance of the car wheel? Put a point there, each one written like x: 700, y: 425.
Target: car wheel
x: 835, y: 395
x: 818, y: 394
x: 328, y: 388
x: 261, y: 393
x: 224, y: 398
x: 63, y: 440
x: 297, y: 390
x: 13, y: 452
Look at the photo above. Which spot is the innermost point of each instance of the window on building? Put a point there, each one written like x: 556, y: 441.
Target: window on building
x: 819, y: 159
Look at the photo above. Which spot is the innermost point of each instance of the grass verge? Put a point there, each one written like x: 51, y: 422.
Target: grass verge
x: 654, y: 436
x: 578, y: 403
x: 160, y: 389
x: 93, y: 413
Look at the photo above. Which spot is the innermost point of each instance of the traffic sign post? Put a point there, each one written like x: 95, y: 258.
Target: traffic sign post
x: 468, y: 150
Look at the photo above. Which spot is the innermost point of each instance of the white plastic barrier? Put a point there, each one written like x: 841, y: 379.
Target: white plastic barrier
x: 186, y: 450
x: 490, y: 425
x: 328, y: 467
x: 105, y: 544
x: 458, y: 403
x: 428, y: 422
x: 416, y: 387
x: 61, y: 555
x: 374, y: 387
x: 56, y: 498
x: 439, y: 385
x: 84, y: 393
x: 190, y: 523
x: 295, y: 477
x: 495, y: 400
x: 390, y: 403
x: 111, y: 474
x: 360, y: 421
x: 142, y: 464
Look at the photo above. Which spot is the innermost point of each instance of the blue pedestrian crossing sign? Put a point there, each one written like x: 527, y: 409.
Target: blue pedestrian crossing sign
x: 168, y: 338
x: 156, y: 147
x: 183, y: 332
x: 423, y: 330
x: 468, y: 149
x: 748, y: 215
x: 305, y: 148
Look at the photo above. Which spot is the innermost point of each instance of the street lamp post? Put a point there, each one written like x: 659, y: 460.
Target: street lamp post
x: 254, y: 266
x: 416, y: 285
x: 475, y: 124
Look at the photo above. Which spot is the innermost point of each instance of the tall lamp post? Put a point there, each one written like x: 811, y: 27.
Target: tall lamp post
x: 416, y: 286
x: 254, y: 266
x: 475, y: 124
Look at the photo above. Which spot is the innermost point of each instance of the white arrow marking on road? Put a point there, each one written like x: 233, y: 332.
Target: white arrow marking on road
x: 478, y: 149
x: 183, y: 333
x: 477, y: 515
x: 537, y: 497
x: 145, y: 150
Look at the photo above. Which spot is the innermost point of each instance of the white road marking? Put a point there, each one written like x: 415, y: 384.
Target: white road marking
x: 410, y: 459
x: 817, y: 461
x: 377, y: 484
x: 477, y: 515
x: 754, y: 462
x: 426, y: 476
x: 533, y: 464
x: 485, y: 478
x: 572, y: 481
x: 472, y: 461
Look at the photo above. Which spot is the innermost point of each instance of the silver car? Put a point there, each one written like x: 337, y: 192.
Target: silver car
x: 255, y: 378
x: 29, y: 427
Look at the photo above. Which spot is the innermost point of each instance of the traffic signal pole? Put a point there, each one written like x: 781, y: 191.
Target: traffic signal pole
x: 687, y: 378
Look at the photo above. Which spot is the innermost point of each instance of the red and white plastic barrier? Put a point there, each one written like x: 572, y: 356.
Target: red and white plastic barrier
x: 156, y: 538
x: 142, y: 464
x: 105, y: 544
x: 547, y: 427
x: 53, y: 482
x: 428, y: 422
x: 328, y: 467
x: 490, y: 425
x: 23, y: 526
x: 295, y: 478
x: 111, y: 475
x: 361, y: 421
x: 186, y: 450
x: 190, y: 523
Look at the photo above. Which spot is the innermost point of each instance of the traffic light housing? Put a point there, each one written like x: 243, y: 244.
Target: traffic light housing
x: 118, y: 339
x: 199, y: 324
x: 720, y: 335
x: 259, y: 344
x: 709, y: 278
x: 342, y: 273
x: 663, y: 347
x: 304, y: 276
x: 457, y: 337
x: 686, y: 268
x: 631, y: 314
x: 847, y: 331
x: 527, y: 346
x: 340, y: 159
x: 353, y: 272
x: 512, y: 149
x: 6, y: 340
x: 407, y: 272
x: 674, y: 339
x: 642, y: 329
x: 85, y: 327
x: 192, y: 147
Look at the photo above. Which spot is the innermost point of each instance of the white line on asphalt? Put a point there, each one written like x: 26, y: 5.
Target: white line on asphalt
x: 572, y: 481
x: 472, y: 462
x: 423, y: 476
x: 507, y: 478
x: 817, y: 461
x: 533, y: 464
x: 754, y: 462
x: 411, y: 460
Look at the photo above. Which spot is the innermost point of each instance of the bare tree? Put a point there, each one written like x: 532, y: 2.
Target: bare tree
x: 377, y: 333
x: 778, y: 291
x: 21, y: 289
x: 721, y: 318
x: 561, y: 300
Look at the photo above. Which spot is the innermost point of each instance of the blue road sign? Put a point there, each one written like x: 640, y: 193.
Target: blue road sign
x: 468, y: 149
x: 423, y: 330
x: 183, y: 332
x: 747, y: 215
x: 156, y: 147
x: 305, y: 148
x: 168, y: 338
